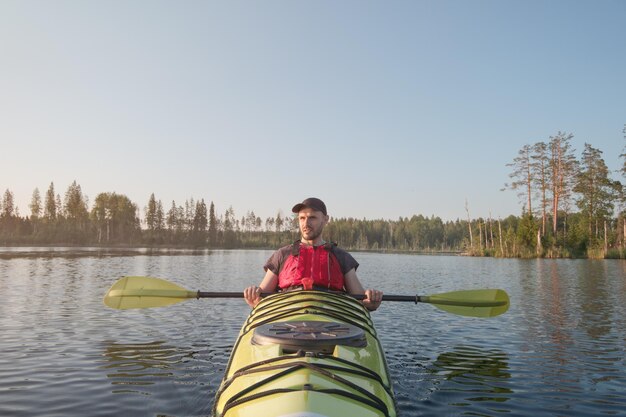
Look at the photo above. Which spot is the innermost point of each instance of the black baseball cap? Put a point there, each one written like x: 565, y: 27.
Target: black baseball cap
x: 312, y: 202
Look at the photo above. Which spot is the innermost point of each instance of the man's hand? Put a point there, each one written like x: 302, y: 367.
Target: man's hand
x: 372, y: 299
x: 252, y: 295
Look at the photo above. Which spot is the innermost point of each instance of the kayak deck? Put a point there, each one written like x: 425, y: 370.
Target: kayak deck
x: 306, y: 353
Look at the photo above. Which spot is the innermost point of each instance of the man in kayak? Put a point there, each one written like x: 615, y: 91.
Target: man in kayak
x: 311, y: 262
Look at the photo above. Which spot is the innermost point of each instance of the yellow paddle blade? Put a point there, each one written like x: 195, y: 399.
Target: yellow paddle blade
x: 145, y: 292
x: 473, y: 303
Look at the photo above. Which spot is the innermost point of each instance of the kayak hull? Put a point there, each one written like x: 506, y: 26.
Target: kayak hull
x: 306, y: 354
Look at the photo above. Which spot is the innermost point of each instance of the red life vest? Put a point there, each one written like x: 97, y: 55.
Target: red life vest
x: 316, y: 262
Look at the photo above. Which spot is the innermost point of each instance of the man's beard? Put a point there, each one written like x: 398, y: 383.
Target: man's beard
x: 311, y: 234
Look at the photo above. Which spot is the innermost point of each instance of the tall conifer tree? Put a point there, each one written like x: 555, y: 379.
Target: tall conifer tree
x: 563, y: 170
x: 50, y: 206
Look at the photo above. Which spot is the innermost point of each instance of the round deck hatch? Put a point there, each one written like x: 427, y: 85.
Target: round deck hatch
x: 314, y: 336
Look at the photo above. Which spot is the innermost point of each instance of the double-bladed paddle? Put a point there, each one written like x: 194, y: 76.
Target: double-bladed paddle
x: 146, y: 292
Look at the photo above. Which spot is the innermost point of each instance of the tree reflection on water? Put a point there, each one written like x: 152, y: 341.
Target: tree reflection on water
x: 142, y: 364
x: 469, y: 374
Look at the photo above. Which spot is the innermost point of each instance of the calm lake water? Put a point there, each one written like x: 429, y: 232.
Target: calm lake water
x: 558, y: 351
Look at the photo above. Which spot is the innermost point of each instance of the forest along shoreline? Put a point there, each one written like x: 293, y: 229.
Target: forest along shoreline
x: 77, y: 251
x: 120, y: 250
x: 548, y: 177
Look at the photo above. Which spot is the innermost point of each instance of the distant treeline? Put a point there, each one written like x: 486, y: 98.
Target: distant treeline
x: 547, y: 176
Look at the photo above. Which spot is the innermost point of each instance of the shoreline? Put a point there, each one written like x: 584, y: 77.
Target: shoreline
x: 75, y: 251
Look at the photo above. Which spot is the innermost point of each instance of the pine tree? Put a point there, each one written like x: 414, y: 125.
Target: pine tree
x: 59, y: 206
x: 562, y: 169
x: 200, y: 223
x: 540, y: 164
x: 160, y: 219
x: 151, y: 214
x: 8, y: 205
x: 523, y: 176
x: 212, y: 226
x: 75, y: 207
x: 76, y: 214
x: 278, y: 222
x: 189, y: 214
x: 230, y: 225
x: 596, y: 190
x: 9, y: 216
x: 50, y: 206
x: 172, y: 218
x: 35, y: 205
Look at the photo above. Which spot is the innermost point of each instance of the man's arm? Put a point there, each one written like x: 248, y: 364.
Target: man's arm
x: 268, y: 284
x: 372, y: 299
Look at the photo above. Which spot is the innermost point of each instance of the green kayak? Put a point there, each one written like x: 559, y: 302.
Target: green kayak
x: 306, y: 354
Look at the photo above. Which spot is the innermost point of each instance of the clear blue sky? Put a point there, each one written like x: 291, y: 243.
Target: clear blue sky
x: 382, y: 109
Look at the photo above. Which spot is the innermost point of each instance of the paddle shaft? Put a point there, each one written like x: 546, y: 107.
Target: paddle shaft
x: 386, y: 297
x: 208, y: 294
